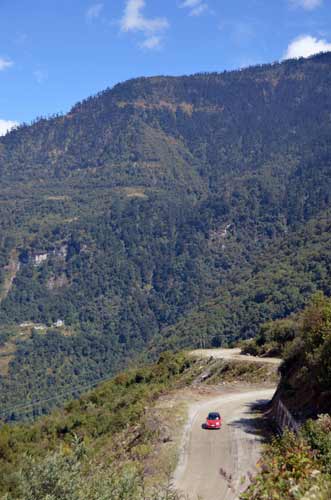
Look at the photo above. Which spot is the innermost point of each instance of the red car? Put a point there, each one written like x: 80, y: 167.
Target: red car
x: 213, y: 421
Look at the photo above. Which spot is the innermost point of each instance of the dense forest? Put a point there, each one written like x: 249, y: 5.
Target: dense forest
x: 164, y: 212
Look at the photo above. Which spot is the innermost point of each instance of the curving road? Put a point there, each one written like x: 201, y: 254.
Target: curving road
x: 234, y: 355
x: 216, y: 465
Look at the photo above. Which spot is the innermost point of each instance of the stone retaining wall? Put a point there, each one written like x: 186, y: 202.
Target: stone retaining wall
x: 282, y: 416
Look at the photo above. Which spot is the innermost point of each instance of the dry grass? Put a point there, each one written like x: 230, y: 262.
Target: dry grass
x: 57, y: 198
x: 134, y: 192
x: 170, y: 416
x: 7, y: 352
x: 10, y: 273
x: 4, y: 364
x: 241, y: 371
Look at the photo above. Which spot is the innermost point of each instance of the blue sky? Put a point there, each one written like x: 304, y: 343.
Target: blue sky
x: 56, y: 52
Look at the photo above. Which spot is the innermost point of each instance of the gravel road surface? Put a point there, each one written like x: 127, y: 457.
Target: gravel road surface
x: 234, y: 355
x: 217, y: 464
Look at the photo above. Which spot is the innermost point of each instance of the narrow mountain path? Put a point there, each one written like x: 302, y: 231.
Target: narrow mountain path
x: 234, y: 355
x: 218, y: 464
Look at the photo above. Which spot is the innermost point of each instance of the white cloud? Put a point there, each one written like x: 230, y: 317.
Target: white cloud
x: 94, y: 11
x: 305, y: 46
x: 196, y: 7
x: 6, y: 126
x: 134, y: 20
x: 307, y: 4
x: 5, y: 63
x: 153, y: 42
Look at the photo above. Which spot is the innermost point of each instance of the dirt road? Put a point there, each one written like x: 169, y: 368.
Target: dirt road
x: 233, y: 354
x: 216, y: 464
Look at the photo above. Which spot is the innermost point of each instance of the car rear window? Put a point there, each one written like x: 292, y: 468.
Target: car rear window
x: 213, y: 416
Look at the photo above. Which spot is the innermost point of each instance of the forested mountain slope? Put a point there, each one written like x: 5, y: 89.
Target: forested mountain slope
x: 279, y: 281
x: 154, y: 201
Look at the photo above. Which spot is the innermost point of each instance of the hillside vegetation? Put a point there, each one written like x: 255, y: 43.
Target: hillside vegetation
x: 298, y: 467
x: 167, y: 211
x: 98, y: 446
x: 121, y: 440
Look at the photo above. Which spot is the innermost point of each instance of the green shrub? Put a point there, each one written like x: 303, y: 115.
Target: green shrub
x: 318, y: 435
x: 288, y: 470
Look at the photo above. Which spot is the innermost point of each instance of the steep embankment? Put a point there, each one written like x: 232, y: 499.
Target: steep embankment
x: 298, y: 466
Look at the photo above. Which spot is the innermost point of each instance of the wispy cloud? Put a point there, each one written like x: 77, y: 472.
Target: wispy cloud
x: 94, y: 11
x: 200, y: 9
x: 21, y: 38
x: 153, y: 42
x: 5, y: 63
x: 307, y: 4
x: 305, y: 46
x: 190, y: 3
x: 240, y: 32
x: 6, y: 126
x: 40, y: 75
x: 195, y: 7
